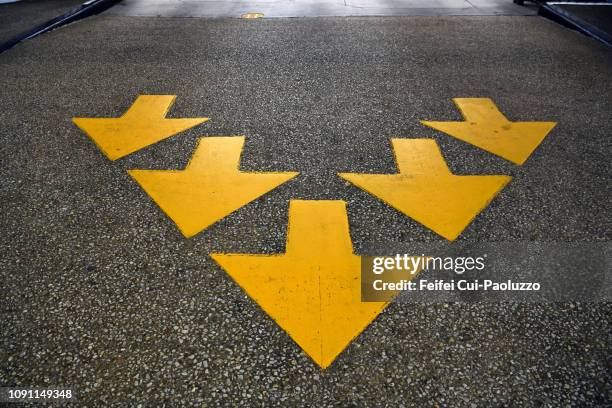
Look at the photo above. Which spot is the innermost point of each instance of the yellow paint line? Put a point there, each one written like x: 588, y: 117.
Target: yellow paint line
x: 252, y: 15
x: 313, y: 291
x: 144, y: 124
x: 427, y: 191
x: 487, y: 128
x: 211, y: 186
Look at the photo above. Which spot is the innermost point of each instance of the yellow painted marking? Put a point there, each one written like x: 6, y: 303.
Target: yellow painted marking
x: 486, y: 127
x: 145, y: 123
x: 313, y: 290
x: 252, y: 15
x: 210, y: 187
x: 427, y: 191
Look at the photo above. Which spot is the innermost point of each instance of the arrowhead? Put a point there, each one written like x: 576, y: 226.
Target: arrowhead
x: 145, y: 123
x: 211, y: 186
x: 486, y: 127
x: 426, y: 190
x: 313, y: 290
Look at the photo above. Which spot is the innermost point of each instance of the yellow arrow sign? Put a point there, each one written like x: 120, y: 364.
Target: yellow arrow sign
x: 427, y: 191
x: 211, y: 186
x: 145, y: 123
x: 313, y: 290
x: 486, y: 127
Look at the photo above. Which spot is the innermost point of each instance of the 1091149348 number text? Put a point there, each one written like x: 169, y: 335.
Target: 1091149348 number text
x: 19, y: 394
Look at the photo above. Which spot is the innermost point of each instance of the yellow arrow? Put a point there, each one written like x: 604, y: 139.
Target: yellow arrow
x: 211, y: 186
x: 313, y: 290
x: 486, y: 127
x: 143, y: 124
x: 427, y: 191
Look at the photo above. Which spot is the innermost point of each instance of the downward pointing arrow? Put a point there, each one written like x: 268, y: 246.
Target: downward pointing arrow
x: 145, y: 123
x: 211, y: 186
x: 486, y: 127
x: 313, y: 290
x: 426, y: 190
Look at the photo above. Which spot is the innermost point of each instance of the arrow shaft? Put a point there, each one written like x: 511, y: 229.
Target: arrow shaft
x: 150, y: 107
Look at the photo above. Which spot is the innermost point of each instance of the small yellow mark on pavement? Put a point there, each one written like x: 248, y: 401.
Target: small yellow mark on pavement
x: 486, y: 127
x: 252, y: 15
x: 145, y: 123
x: 313, y: 290
x: 210, y: 187
x: 427, y: 191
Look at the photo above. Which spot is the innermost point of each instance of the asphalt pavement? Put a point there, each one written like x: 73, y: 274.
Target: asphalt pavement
x: 102, y: 292
x: 319, y: 8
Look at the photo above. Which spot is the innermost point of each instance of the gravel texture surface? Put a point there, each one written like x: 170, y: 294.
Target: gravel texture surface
x: 100, y: 291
